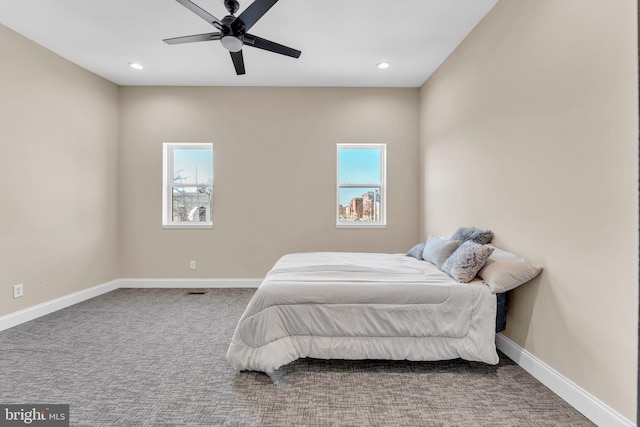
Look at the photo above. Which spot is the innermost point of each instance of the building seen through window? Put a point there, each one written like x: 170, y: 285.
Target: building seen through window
x: 361, y: 185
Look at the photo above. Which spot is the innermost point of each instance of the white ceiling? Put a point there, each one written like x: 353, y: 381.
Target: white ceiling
x: 341, y: 41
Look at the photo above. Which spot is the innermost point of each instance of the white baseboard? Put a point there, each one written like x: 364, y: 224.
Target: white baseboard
x: 587, y: 404
x: 13, y: 319
x: 189, y: 283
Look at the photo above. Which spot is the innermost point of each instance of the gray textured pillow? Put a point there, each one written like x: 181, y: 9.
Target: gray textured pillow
x: 416, y: 251
x: 437, y: 250
x: 466, y: 261
x: 471, y: 233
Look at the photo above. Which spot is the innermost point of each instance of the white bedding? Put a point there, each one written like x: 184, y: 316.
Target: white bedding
x: 338, y: 305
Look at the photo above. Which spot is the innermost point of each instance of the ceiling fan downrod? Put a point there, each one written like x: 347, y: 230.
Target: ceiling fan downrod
x: 232, y: 6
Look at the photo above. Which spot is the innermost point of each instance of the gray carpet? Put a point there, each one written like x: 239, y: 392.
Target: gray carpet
x: 156, y: 357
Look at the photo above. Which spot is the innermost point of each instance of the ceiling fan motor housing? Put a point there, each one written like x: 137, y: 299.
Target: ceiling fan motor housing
x: 232, y: 33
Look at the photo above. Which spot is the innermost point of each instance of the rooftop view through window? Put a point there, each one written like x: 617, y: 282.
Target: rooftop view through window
x: 360, y: 183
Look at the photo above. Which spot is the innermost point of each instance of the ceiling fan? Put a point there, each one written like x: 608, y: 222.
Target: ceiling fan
x: 233, y: 30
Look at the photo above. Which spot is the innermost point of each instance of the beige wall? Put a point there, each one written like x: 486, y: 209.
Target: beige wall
x: 59, y: 174
x: 530, y: 129
x: 274, y: 173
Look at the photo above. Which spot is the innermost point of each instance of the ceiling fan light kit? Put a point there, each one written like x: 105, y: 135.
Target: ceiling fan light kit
x: 232, y: 43
x: 233, y: 30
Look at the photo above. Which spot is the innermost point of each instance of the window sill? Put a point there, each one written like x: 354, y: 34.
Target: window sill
x: 189, y: 225
x: 362, y: 225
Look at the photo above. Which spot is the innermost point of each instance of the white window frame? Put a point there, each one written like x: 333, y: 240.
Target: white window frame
x: 167, y: 184
x: 382, y: 223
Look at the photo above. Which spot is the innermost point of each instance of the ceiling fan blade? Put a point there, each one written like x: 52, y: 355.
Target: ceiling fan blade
x: 195, y: 38
x: 238, y: 62
x: 254, y: 12
x: 201, y: 13
x: 260, y: 43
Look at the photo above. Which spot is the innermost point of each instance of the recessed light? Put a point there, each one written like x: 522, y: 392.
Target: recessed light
x: 135, y: 66
x: 383, y: 65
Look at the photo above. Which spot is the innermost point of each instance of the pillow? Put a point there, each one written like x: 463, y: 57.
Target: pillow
x: 470, y: 233
x: 437, y: 250
x: 505, y: 271
x: 466, y: 261
x: 416, y: 251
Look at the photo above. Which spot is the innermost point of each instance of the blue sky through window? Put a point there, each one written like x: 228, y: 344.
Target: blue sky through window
x: 194, y: 165
x: 357, y: 166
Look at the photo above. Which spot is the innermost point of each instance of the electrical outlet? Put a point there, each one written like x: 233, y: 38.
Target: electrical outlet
x: 192, y: 264
x: 18, y: 290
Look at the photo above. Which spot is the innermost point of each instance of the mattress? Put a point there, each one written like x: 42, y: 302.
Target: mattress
x: 339, y: 305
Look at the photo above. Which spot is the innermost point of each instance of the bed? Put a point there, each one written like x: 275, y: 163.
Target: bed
x: 340, y: 305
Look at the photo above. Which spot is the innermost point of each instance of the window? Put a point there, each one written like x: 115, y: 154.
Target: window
x: 187, y: 185
x: 361, y: 186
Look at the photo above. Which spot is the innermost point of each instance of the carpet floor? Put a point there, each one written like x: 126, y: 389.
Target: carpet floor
x: 156, y: 357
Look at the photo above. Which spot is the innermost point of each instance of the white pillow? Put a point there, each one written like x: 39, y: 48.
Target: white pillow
x: 437, y: 250
x: 504, y: 271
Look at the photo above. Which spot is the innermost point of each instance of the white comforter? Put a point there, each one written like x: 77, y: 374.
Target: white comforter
x: 332, y: 305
